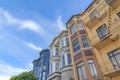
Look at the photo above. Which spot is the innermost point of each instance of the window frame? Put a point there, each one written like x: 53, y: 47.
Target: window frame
x: 102, y: 31
x: 82, y: 75
x: 72, y: 28
x: 85, y: 41
x: 94, y: 14
x: 93, y: 68
x: 69, y: 58
x: 80, y: 25
x: 63, y: 60
x: 77, y: 47
x: 113, y: 55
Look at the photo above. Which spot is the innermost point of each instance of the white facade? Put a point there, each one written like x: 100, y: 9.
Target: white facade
x: 60, y: 58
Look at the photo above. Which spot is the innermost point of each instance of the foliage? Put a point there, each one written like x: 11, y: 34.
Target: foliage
x: 24, y: 76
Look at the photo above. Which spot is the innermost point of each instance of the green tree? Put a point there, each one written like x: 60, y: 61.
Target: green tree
x: 24, y: 76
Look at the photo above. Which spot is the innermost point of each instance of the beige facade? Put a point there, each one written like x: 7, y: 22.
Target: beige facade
x: 107, y: 42
x: 98, y: 27
x: 60, y: 60
x: 85, y: 65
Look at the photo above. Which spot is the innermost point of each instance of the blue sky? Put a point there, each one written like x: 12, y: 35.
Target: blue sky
x: 27, y: 26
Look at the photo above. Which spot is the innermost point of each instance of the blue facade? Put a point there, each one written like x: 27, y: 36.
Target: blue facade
x: 41, y: 65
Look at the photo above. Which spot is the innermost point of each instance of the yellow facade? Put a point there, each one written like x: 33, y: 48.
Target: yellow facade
x: 101, y: 21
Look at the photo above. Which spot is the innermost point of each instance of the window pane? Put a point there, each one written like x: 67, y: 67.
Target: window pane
x: 69, y: 58
x: 85, y: 42
x: 80, y: 25
x: 115, y: 58
x: 67, y: 41
x: 93, y: 69
x: 94, y: 15
x: 76, y: 45
x: 102, y: 31
x: 72, y: 28
x: 114, y: 62
x: 80, y: 74
x: 118, y: 58
x: 63, y: 60
x: 84, y: 73
x: 57, y: 66
x: 81, y: 71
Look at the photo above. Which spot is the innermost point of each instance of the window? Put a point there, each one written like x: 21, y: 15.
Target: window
x: 69, y: 58
x: 115, y: 58
x: 63, y: 78
x: 39, y: 76
x: 57, y: 51
x: 102, y: 31
x: 63, y: 60
x: 76, y: 45
x: 85, y: 41
x: 50, y: 69
x: 61, y: 43
x: 72, y: 29
x: 118, y: 14
x: 57, y: 66
x: 43, y: 78
x: 64, y: 42
x: 67, y: 41
x: 81, y: 71
x: 93, y: 69
x: 80, y: 26
x: 94, y: 15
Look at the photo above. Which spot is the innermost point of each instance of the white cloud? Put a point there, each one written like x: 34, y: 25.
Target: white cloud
x: 60, y: 23
x: 7, y: 19
x: 4, y: 77
x: 33, y: 46
x: 6, y: 71
x: 29, y: 25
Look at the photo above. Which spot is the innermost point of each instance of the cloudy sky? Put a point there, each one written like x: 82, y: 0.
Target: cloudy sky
x: 27, y: 26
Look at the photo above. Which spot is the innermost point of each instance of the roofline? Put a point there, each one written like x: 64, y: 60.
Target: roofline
x: 44, y: 50
x: 89, y: 6
x: 57, y: 37
x: 80, y: 13
x: 70, y: 19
